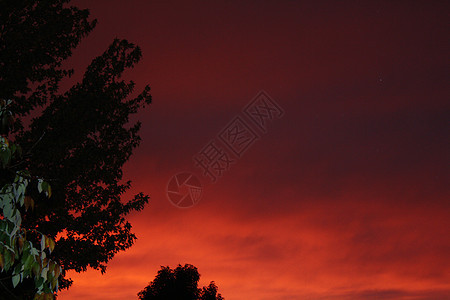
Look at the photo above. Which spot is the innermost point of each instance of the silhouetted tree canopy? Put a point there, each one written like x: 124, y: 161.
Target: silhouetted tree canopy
x: 35, y: 38
x: 180, y: 283
x: 79, y: 140
x: 210, y: 292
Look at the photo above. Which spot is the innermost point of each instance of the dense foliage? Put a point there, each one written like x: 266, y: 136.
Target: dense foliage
x: 79, y: 140
x: 180, y: 283
x: 23, y: 265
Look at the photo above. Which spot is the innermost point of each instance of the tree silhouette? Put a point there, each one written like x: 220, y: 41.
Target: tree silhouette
x: 78, y: 141
x: 210, y: 292
x: 180, y: 283
x: 35, y: 38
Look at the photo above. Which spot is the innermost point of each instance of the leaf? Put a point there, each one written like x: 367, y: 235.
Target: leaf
x: 57, y: 271
x: 12, y: 256
x: 45, y: 261
x: 47, y: 188
x: 2, y: 262
x: 43, y: 244
x: 38, y: 297
x: 15, y: 280
x: 50, y: 276
x: 39, y: 186
x: 11, y: 226
x: 21, y: 199
x: 51, y: 244
x: 54, y: 283
x: 8, y: 210
x: 36, y: 269
x: 17, y: 219
x: 44, y: 186
x: 28, y: 264
x: 38, y: 283
x: 29, y: 202
x: 51, y: 266
x: 44, y: 273
x: 20, y: 243
x: 7, y: 260
x: 15, y: 229
x: 20, y: 190
x: 33, y: 250
x: 48, y: 296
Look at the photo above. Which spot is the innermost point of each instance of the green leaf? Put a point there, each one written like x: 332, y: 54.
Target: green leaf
x: 44, y: 273
x: 46, y: 188
x: 28, y: 264
x: 17, y: 223
x: 8, y: 210
x: 7, y: 259
x: 34, y: 251
x: 50, y: 276
x: 20, y: 193
x: 11, y: 226
x: 15, y: 280
x: 54, y: 283
x: 40, y: 185
x: 38, y: 283
x: 17, y: 218
x: 43, y: 242
x: 35, y: 268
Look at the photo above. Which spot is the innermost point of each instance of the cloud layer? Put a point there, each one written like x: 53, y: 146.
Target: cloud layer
x: 344, y: 197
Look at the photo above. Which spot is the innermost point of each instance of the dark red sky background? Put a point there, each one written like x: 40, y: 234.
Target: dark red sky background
x: 345, y: 197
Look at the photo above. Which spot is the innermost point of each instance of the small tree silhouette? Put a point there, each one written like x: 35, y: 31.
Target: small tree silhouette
x: 210, y: 292
x: 180, y: 283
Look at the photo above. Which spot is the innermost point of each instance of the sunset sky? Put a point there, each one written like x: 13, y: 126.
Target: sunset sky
x: 345, y: 196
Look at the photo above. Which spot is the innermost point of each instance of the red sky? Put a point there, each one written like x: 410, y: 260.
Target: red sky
x: 345, y: 197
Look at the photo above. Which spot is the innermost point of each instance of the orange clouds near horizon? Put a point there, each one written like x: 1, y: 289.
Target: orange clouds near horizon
x: 321, y: 250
